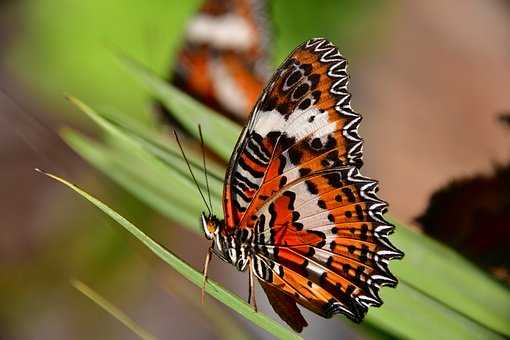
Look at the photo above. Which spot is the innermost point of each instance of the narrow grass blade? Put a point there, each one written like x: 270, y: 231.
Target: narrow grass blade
x: 212, y: 288
x: 112, y: 310
x: 171, y: 156
x: 159, y: 188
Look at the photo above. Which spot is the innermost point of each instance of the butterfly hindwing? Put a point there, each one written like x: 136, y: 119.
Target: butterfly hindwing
x: 284, y: 306
x: 334, y: 238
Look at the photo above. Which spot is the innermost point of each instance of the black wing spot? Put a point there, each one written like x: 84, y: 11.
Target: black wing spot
x: 293, y: 78
x: 350, y: 195
x: 348, y: 214
x: 364, y: 253
x: 314, y: 80
x: 295, y: 156
x: 304, y: 265
x: 284, y: 109
x: 292, y: 198
x: 295, y: 216
x: 321, y: 204
x: 286, y: 141
x: 307, y: 69
x: 298, y: 226
x: 359, y: 212
x: 300, y: 91
x: 305, y: 104
x: 364, y: 231
x: 334, y: 179
x: 304, y: 171
x: 346, y: 267
x: 316, y: 143
x: 273, y: 136
x: 332, y: 245
x: 312, y: 187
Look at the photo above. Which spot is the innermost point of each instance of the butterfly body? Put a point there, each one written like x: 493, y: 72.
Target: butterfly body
x: 298, y: 213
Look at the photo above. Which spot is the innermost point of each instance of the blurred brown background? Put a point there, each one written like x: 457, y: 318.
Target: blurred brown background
x: 430, y: 78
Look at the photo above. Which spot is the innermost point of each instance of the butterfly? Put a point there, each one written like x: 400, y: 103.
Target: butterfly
x: 224, y: 61
x: 298, y: 215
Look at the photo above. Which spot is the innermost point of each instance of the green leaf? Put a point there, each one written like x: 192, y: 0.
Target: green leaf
x: 139, y: 137
x: 160, y: 190
x: 112, y: 310
x: 211, y: 287
x: 409, y: 313
x: 444, y: 275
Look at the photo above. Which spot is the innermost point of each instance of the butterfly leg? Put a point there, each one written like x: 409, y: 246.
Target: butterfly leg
x: 251, y: 288
x: 206, y: 266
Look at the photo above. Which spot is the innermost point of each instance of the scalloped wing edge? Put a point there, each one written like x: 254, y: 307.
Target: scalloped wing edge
x: 329, y: 54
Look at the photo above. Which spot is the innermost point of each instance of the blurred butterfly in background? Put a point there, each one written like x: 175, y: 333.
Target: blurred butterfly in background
x: 485, y: 202
x: 298, y: 215
x: 224, y: 61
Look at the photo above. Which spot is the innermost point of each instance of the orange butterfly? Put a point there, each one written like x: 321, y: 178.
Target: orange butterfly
x: 298, y: 214
x: 224, y: 61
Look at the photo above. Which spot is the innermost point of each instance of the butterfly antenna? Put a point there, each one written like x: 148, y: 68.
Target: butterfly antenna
x: 191, y: 171
x: 205, y: 167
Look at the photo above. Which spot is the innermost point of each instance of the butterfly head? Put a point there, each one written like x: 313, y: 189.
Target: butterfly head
x: 211, y: 225
x: 232, y: 247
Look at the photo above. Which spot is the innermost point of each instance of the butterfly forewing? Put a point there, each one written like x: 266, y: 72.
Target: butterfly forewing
x: 319, y: 234
x: 302, y: 123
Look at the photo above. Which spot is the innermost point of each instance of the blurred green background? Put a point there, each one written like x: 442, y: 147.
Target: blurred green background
x: 413, y: 67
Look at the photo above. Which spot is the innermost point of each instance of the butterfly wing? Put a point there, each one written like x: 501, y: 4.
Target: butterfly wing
x: 320, y: 237
x: 224, y: 61
x: 302, y: 123
x: 284, y: 306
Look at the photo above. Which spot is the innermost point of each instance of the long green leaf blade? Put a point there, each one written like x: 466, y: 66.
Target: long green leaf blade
x: 211, y: 287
